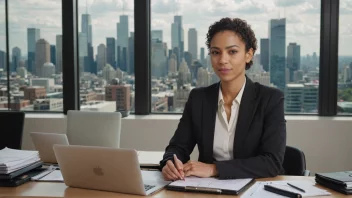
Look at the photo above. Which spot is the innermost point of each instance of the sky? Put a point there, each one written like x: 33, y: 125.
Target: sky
x: 302, y: 19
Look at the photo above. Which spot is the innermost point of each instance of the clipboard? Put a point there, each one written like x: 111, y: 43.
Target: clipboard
x: 211, y: 185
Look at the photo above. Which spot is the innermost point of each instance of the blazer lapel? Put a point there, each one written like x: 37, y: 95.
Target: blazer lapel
x: 245, y: 115
x: 208, y: 118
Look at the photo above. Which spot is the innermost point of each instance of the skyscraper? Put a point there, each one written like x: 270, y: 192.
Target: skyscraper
x: 188, y: 57
x: 202, y: 54
x: 293, y: 59
x: 16, y: 57
x: 101, y: 57
x: 53, y: 54
x: 87, y: 27
x: 131, y: 54
x: 177, y: 37
x: 157, y: 35
x: 58, y: 54
x: 193, y: 42
x: 264, y: 53
x: 33, y: 35
x: 158, y: 59
x: 3, y: 60
x: 84, y: 65
x: 277, y: 52
x: 110, y: 51
x: 42, y: 55
x: 122, y: 42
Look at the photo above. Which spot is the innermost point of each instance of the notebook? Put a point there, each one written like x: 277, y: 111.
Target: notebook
x: 210, y: 185
x: 344, y: 179
x: 21, y: 171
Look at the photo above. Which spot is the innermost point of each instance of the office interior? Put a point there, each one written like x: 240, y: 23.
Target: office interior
x: 324, y: 136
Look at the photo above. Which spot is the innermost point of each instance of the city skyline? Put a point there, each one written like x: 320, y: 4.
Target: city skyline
x: 307, y: 33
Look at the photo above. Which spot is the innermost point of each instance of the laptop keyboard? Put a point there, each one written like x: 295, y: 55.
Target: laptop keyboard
x: 148, y: 187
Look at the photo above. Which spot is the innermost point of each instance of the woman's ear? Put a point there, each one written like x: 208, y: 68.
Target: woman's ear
x: 249, y: 55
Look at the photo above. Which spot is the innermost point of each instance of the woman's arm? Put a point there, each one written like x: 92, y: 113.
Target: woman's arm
x: 271, y: 149
x: 183, y: 141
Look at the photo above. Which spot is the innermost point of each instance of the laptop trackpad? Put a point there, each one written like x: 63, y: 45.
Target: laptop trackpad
x: 154, y: 177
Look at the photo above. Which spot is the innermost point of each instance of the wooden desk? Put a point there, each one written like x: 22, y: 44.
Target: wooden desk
x: 50, y: 189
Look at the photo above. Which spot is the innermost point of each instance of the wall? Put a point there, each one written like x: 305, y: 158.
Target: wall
x: 325, y: 141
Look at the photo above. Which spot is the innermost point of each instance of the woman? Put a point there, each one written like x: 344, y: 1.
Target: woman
x: 238, y: 125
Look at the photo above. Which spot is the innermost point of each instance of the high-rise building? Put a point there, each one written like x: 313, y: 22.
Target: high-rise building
x: 33, y: 35
x: 188, y: 57
x: 264, y: 53
x: 262, y: 78
x: 193, y: 42
x: 203, y: 77
x: 47, y: 83
x: 110, y: 51
x: 310, y: 97
x: 158, y: 59
x: 202, y: 54
x: 157, y: 35
x: 293, y: 59
x: 53, y: 54
x: 3, y: 59
x: 101, y: 57
x: 109, y: 73
x: 177, y: 33
x: 122, y: 42
x: 277, y: 52
x: 16, y: 58
x: 86, y: 27
x: 181, y: 96
x: 184, y: 74
x: 58, y: 54
x: 131, y: 54
x: 172, y: 64
x: 42, y: 55
x: 346, y: 74
x: 301, y: 98
x: 298, y: 76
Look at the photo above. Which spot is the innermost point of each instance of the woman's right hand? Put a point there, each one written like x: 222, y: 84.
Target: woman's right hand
x: 173, y: 171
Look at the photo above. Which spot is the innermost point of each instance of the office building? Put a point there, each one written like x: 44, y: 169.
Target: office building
x: 262, y: 78
x: 277, y: 52
x: 58, y: 61
x: 180, y: 97
x: 47, y: 83
x: 48, y: 70
x: 110, y: 51
x: 301, y: 98
x: 109, y: 73
x: 172, y: 64
x: 53, y: 54
x: 86, y: 27
x: 33, y: 35
x: 101, y: 57
x: 193, y: 42
x: 22, y: 71
x: 16, y: 58
x: 158, y: 59
x: 202, y: 54
x: 119, y: 93
x: 157, y: 35
x: 203, y: 77
x: 264, y: 54
x: 42, y: 55
x: 34, y: 92
x: 3, y: 61
x: 293, y: 59
x: 188, y: 57
x: 49, y: 104
x: 131, y: 53
x: 298, y: 76
x: 177, y: 36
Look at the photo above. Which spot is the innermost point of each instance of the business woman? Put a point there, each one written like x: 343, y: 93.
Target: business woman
x: 238, y: 125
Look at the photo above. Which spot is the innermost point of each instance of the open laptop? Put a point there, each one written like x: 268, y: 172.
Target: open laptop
x: 108, y: 169
x: 43, y: 143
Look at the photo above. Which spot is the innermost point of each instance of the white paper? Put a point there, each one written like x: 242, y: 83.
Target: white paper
x: 52, y: 176
x: 149, y: 158
x: 231, y: 184
x: 12, y: 159
x: 257, y: 190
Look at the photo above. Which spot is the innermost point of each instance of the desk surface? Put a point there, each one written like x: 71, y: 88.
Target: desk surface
x: 51, y: 189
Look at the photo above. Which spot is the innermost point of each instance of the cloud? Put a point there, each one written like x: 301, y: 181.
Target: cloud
x: 289, y: 3
x: 310, y: 8
x: 165, y: 6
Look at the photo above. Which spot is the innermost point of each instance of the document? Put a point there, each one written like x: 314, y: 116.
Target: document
x: 53, y: 176
x: 231, y: 184
x: 257, y: 190
x: 12, y: 160
x: 149, y: 158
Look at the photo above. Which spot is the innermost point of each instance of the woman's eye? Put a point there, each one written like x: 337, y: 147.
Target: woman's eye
x: 233, y: 51
x: 214, y: 52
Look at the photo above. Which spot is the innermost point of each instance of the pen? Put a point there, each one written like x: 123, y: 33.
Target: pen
x: 281, y: 192
x: 295, y: 187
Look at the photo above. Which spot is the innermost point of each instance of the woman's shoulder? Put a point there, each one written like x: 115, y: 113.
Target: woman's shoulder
x: 266, y: 92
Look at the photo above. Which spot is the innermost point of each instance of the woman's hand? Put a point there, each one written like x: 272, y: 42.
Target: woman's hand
x: 173, y: 171
x: 199, y: 169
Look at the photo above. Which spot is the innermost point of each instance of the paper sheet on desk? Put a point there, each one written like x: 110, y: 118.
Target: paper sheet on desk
x: 54, y: 176
x: 231, y: 184
x: 257, y: 190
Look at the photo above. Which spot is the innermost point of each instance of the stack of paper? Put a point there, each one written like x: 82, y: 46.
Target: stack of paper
x: 12, y: 159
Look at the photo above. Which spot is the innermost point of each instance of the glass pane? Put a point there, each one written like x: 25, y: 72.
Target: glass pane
x: 106, y: 56
x: 288, y: 37
x: 3, y: 62
x: 35, y: 55
x: 344, y: 98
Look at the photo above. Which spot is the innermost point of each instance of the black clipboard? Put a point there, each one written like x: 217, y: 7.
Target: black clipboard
x: 209, y: 190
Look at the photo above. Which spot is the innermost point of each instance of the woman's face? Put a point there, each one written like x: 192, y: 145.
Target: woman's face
x: 228, y: 55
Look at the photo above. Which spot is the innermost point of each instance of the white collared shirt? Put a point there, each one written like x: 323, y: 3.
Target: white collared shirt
x: 224, y: 134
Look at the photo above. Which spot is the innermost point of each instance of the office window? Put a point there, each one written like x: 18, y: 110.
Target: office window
x: 344, y: 98
x: 106, y: 55
x: 3, y: 63
x: 287, y: 57
x: 35, y: 67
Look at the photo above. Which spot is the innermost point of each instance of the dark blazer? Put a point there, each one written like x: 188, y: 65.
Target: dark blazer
x: 260, y: 136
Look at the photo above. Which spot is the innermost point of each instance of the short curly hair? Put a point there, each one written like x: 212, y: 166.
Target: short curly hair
x: 240, y: 27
